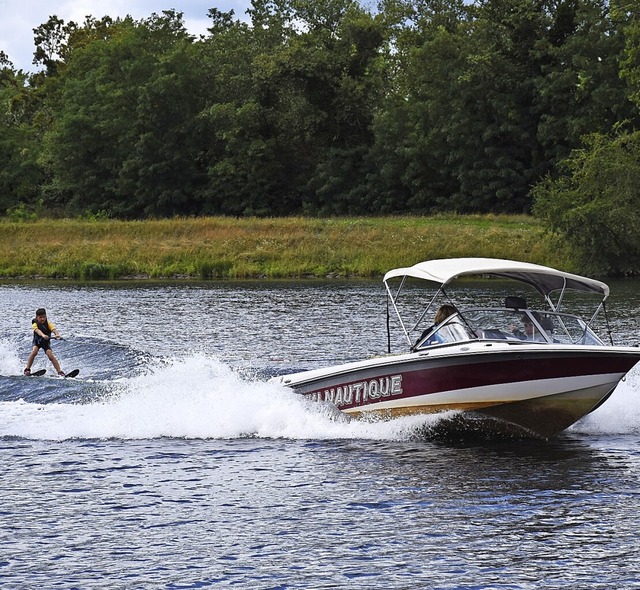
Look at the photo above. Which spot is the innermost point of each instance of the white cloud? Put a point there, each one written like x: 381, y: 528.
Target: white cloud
x: 18, y: 18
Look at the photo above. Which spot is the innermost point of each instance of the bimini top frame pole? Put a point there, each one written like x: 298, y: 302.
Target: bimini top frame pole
x: 393, y: 299
x: 543, y: 279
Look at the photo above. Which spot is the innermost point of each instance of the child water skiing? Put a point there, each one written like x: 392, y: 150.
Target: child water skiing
x: 43, y: 329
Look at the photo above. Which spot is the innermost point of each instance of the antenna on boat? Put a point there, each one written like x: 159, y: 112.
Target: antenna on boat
x: 606, y: 321
x: 388, y: 327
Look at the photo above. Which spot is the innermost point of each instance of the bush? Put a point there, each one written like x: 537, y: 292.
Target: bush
x: 21, y: 213
x: 214, y: 270
x: 93, y: 271
x: 595, y: 205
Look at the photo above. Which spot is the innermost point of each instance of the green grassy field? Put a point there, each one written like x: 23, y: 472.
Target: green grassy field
x: 220, y: 247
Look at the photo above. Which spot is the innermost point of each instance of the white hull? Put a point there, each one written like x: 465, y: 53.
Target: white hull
x: 542, y: 389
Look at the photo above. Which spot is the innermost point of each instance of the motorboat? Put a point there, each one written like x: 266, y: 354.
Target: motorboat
x: 533, y: 370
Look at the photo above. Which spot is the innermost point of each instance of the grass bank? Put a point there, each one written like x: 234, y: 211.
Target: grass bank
x: 217, y: 247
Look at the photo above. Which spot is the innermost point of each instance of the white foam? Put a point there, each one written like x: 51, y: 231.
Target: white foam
x: 10, y: 363
x: 201, y: 397
x: 13, y: 357
x: 620, y: 414
x: 197, y: 397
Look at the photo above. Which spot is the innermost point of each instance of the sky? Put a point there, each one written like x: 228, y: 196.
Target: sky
x: 18, y: 18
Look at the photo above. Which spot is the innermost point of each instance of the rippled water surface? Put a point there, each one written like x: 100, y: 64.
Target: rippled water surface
x: 172, y: 462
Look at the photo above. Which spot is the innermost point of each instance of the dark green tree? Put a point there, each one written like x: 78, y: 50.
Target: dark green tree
x: 240, y: 157
x: 51, y: 41
x: 124, y: 136
x: 316, y: 107
x: 629, y: 14
x: 408, y: 168
x: 346, y: 101
x: 595, y: 203
x: 495, y: 94
x: 302, y: 109
x: 20, y: 174
x: 579, y: 90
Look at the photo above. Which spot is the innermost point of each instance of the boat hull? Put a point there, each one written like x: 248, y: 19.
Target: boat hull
x: 540, y: 389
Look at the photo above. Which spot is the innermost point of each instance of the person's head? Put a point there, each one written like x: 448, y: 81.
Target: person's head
x: 444, y: 312
x: 41, y: 313
x: 529, y: 328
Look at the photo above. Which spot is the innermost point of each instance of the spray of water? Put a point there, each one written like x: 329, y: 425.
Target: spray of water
x: 620, y: 414
x: 197, y: 397
x: 201, y: 397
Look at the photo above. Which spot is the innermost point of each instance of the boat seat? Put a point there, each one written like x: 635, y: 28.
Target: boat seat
x: 547, y: 324
x: 512, y: 302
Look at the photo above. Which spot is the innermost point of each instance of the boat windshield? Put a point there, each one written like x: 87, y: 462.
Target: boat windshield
x: 510, y: 324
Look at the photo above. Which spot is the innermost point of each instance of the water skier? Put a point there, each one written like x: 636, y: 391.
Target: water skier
x: 43, y: 329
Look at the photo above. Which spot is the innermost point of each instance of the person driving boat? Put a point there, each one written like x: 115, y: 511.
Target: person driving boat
x: 444, y: 311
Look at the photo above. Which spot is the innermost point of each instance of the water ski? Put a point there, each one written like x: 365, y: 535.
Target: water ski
x: 73, y: 373
x: 39, y: 373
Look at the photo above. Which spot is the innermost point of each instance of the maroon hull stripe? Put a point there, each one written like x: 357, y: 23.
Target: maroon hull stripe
x: 507, y: 371
x: 437, y: 374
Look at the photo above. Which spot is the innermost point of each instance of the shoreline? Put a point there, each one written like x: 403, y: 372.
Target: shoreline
x: 215, y: 248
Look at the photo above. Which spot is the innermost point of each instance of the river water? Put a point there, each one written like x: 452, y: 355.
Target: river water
x: 172, y: 462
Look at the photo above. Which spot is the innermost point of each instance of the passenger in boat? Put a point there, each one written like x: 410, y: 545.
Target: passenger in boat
x: 43, y: 330
x: 530, y: 331
x: 444, y: 311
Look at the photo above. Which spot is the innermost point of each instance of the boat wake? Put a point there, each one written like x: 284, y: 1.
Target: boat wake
x: 620, y: 414
x: 124, y: 394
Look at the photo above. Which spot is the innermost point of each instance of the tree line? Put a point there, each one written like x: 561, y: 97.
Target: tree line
x: 326, y: 107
